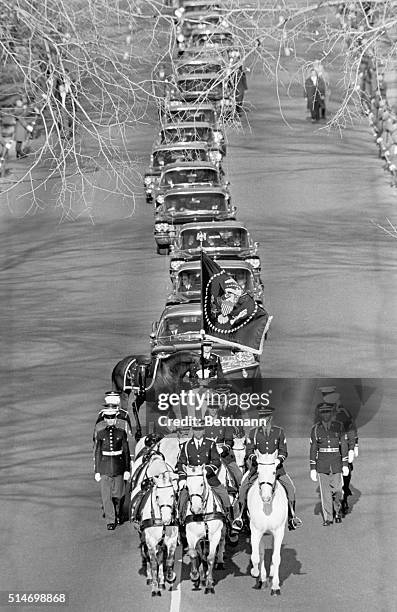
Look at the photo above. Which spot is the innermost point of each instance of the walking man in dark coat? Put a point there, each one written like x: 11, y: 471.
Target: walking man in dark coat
x: 315, y: 94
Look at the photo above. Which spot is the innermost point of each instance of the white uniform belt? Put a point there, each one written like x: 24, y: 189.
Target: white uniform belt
x: 112, y: 453
x: 328, y: 450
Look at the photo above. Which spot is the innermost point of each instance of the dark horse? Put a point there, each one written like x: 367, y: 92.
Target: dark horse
x: 155, y: 374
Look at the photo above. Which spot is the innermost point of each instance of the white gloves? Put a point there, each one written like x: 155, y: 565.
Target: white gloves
x: 351, y: 456
x: 345, y: 470
x: 181, y: 484
x: 97, y: 477
x: 127, y: 476
x: 29, y: 128
x: 313, y: 475
x: 356, y: 450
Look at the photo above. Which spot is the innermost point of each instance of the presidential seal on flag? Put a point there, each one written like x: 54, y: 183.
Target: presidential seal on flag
x: 230, y: 315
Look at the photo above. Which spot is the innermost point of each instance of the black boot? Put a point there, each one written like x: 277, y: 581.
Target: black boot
x: 294, y: 522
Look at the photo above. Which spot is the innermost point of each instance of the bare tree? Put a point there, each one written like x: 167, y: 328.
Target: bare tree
x: 89, y: 68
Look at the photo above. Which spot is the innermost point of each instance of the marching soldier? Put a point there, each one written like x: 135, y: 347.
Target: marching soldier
x: 328, y: 461
x: 200, y: 451
x: 268, y: 439
x: 112, y: 405
x: 343, y: 415
x: 112, y: 465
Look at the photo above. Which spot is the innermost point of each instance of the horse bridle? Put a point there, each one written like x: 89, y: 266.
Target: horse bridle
x: 205, y: 492
x: 265, y: 482
x: 160, y: 506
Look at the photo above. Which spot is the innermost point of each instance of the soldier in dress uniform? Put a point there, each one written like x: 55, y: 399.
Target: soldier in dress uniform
x: 112, y: 400
x: 200, y: 451
x: 268, y: 439
x: 218, y: 433
x: 112, y: 466
x: 210, y: 363
x: 328, y: 461
x: 342, y: 414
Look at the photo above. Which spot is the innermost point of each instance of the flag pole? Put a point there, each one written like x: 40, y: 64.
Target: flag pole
x: 202, y: 332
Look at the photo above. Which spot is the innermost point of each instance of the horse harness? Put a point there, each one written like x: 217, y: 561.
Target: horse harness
x: 157, y: 522
x: 271, y: 484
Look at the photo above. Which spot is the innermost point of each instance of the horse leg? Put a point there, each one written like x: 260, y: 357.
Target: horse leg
x: 154, y: 568
x: 221, y: 550
x: 262, y: 567
x: 255, y: 555
x: 278, y: 535
x: 170, y: 575
x: 209, y: 585
x: 194, y: 571
x: 160, y: 565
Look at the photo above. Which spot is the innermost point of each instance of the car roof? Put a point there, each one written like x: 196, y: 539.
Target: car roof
x: 186, y: 124
x: 195, y: 189
x: 227, y: 263
x: 192, y: 165
x: 189, y: 144
x: 182, y: 309
x: 195, y: 76
x: 212, y: 225
x: 191, y: 105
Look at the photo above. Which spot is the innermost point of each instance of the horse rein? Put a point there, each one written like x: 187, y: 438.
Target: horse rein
x: 160, y: 506
x: 265, y: 482
x: 205, y: 492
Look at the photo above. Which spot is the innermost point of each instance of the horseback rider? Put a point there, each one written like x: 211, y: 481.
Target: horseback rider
x: 200, y: 450
x: 218, y: 434
x: 138, y: 493
x: 268, y: 439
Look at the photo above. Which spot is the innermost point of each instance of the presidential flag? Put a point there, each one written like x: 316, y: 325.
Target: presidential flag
x: 230, y: 315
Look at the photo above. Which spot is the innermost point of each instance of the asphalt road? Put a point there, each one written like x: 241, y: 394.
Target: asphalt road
x: 79, y: 295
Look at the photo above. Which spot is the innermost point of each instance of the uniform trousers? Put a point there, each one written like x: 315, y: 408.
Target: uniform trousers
x: 330, y: 491
x: 112, y: 488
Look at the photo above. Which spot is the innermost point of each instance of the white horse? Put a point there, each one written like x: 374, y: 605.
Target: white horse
x: 169, y: 447
x: 205, y: 528
x: 160, y: 533
x: 268, y: 511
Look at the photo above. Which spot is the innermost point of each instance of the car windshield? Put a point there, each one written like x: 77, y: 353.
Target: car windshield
x: 186, y: 175
x: 195, y: 201
x: 200, y: 7
x: 200, y: 85
x: 207, y: 114
x: 176, y: 325
x: 222, y: 238
x: 172, y: 156
x: 177, y: 134
x: 189, y: 281
x: 202, y: 68
x: 217, y: 38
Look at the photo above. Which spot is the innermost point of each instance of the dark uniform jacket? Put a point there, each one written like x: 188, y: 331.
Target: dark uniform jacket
x: 112, y: 454
x: 268, y: 441
x: 207, y: 455
x: 328, y: 448
x: 213, y: 364
x: 349, y: 427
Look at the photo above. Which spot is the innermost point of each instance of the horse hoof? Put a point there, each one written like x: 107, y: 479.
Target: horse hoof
x: 212, y: 591
x: 163, y: 587
x: 275, y: 592
x: 148, y: 581
x: 159, y: 593
x: 258, y: 585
